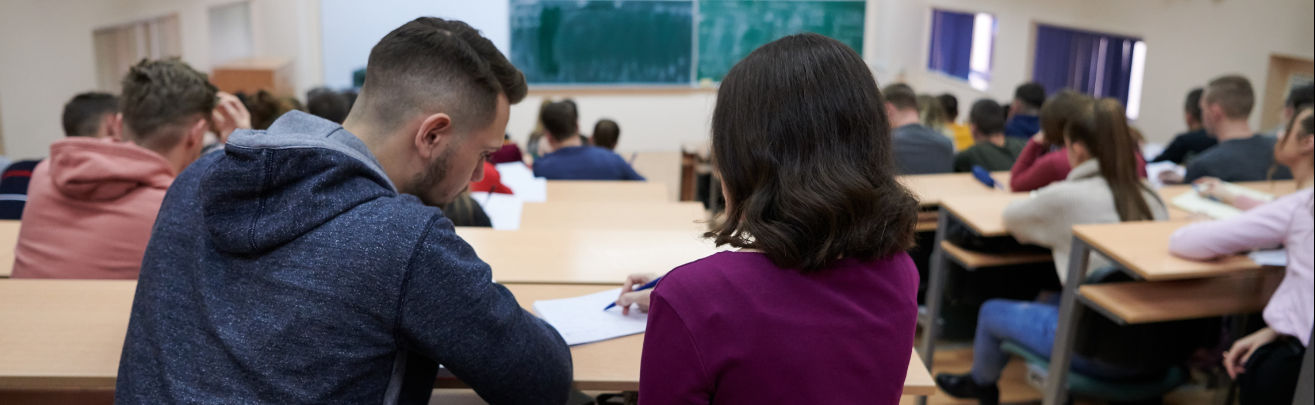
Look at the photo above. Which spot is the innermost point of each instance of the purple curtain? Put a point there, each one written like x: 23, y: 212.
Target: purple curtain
x: 951, y: 43
x: 1096, y: 64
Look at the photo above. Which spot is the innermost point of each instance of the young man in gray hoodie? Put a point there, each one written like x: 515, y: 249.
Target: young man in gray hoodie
x: 308, y: 263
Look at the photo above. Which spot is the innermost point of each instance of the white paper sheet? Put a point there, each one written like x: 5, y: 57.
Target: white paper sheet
x: 1153, y: 171
x: 1192, y: 201
x: 582, y: 319
x: 521, y: 181
x: 504, y: 210
x: 1276, y: 257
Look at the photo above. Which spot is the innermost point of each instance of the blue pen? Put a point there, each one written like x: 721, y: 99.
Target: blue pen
x: 646, y: 286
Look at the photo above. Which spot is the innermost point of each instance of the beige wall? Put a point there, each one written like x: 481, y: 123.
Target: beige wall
x: 1189, y: 41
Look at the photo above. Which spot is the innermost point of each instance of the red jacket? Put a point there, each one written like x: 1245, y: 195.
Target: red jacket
x: 1037, y: 167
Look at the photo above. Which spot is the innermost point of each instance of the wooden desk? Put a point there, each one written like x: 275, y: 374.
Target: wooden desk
x: 614, y: 215
x: 930, y: 189
x: 8, y: 242
x: 68, y: 334
x: 583, y: 256
x: 613, y: 191
x: 1143, y: 248
x: 1159, y: 301
x: 1276, y: 188
x: 984, y: 213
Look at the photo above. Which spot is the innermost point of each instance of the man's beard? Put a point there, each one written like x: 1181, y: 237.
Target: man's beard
x: 425, y: 183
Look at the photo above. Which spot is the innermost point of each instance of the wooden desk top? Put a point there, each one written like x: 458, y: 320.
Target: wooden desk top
x: 978, y: 260
x: 1143, y: 247
x: 614, y: 215
x: 613, y: 365
x: 930, y: 189
x: 984, y: 213
x: 68, y: 334
x: 1161, y: 301
x: 8, y: 243
x: 548, y: 256
x: 611, y: 191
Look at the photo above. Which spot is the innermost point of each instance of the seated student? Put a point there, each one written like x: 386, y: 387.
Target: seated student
x: 309, y: 263
x: 930, y: 113
x: 572, y: 159
x: 1024, y: 121
x: 1298, y: 97
x: 1241, y: 155
x: 918, y: 149
x: 1045, y: 160
x: 266, y: 108
x: 1102, y: 188
x: 606, y: 134
x: 816, y: 286
x: 1187, y: 145
x: 993, y: 150
x: 88, y: 115
x: 1267, y: 362
x: 93, y: 203
x: 960, y: 133
x: 327, y: 104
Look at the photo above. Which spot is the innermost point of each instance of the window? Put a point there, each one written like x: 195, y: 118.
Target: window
x: 961, y: 46
x: 1101, y: 65
x: 119, y: 48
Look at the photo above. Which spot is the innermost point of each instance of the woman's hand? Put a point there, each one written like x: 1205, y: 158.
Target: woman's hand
x: 1039, y: 138
x: 629, y: 296
x: 229, y: 115
x: 1210, y: 187
x: 1235, y: 359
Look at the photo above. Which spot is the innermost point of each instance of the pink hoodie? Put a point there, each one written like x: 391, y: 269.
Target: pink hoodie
x: 90, y: 209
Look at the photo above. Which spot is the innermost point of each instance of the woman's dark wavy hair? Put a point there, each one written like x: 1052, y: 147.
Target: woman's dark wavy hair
x: 801, y: 139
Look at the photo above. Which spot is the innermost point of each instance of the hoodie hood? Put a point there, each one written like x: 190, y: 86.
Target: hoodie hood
x: 89, y: 169
x: 270, y: 187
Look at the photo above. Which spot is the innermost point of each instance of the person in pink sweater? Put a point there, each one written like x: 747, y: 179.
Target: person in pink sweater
x: 1267, y: 362
x: 1044, y: 159
x: 91, y: 206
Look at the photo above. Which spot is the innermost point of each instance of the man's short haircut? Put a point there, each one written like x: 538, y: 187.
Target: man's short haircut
x: 1032, y: 94
x: 1301, y: 96
x: 434, y: 65
x: 1193, y: 104
x: 1233, y: 94
x: 82, y: 114
x: 559, y: 120
x: 950, y: 104
x: 901, y: 96
x: 987, y: 115
x: 606, y: 133
x: 328, y: 104
x: 160, y: 99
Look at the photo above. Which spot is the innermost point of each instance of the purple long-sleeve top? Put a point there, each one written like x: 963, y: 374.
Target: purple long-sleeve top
x: 733, y: 328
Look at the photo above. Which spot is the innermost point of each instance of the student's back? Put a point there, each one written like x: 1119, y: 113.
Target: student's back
x: 1242, y: 154
x: 584, y: 163
x: 824, y: 310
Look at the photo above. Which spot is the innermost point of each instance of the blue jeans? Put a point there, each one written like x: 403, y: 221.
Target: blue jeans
x: 1028, y: 324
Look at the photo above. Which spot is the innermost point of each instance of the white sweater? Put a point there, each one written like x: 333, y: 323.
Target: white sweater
x: 1047, y: 218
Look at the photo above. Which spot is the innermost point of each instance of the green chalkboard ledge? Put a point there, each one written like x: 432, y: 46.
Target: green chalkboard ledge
x: 608, y: 90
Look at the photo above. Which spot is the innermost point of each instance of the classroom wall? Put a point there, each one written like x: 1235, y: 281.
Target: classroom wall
x: 55, y: 60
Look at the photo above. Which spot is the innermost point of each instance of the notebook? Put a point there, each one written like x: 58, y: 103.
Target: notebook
x: 582, y: 319
x: 504, y: 210
x: 520, y: 179
x: 1192, y: 202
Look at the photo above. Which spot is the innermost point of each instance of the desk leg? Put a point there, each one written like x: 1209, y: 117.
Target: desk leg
x: 1070, y: 314
x: 1305, y: 394
x: 935, y: 293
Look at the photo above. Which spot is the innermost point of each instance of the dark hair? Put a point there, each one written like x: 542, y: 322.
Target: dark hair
x: 265, y: 108
x: 559, y: 120
x: 606, y: 134
x: 1103, y: 129
x: 327, y: 104
x: 987, y: 116
x: 82, y: 114
x: 575, y: 110
x: 802, y: 141
x: 1059, y: 111
x: 159, y: 98
x: 433, y: 64
x: 901, y: 96
x: 1301, y: 95
x: 950, y: 104
x: 1233, y: 94
x: 1032, y: 94
x: 1193, y: 104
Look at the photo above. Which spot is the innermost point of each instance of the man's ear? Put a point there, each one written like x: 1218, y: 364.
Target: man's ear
x: 113, y: 124
x: 434, y: 132
x: 196, y: 135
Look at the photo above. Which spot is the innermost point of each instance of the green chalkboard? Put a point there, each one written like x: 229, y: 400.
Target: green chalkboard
x: 730, y: 29
x: 603, y: 42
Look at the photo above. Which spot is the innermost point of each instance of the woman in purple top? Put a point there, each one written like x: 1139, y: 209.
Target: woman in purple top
x: 819, y: 304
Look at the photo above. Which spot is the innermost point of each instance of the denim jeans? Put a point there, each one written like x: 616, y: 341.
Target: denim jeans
x: 1028, y: 324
